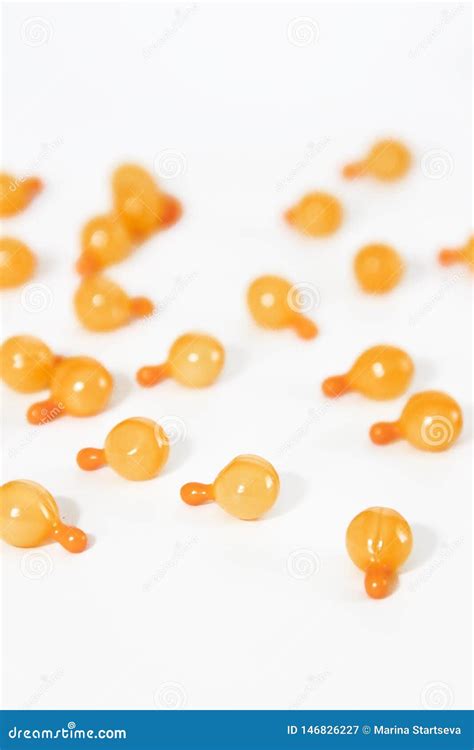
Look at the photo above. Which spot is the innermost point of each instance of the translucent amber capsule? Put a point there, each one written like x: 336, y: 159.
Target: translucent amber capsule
x: 431, y: 421
x: 16, y: 193
x: 246, y: 488
x: 378, y: 268
x: 17, y: 262
x: 137, y: 449
x: 387, y: 160
x: 26, y: 364
x: 381, y: 372
x: 104, y: 241
x: 80, y: 386
x: 464, y: 254
x: 194, y: 360
x: 29, y: 517
x: 317, y: 215
x: 142, y: 207
x: 378, y: 541
x: 102, y: 305
x: 274, y: 303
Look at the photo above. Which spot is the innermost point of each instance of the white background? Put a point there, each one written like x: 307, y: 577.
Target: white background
x: 178, y: 606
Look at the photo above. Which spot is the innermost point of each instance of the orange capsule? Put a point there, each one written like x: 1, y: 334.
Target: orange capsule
x: 27, y: 364
x: 431, y: 421
x: 17, y: 262
x: 136, y: 448
x: 17, y: 193
x: 464, y: 254
x: 274, y: 303
x: 29, y: 517
x: 246, y: 488
x: 102, y: 305
x: 142, y: 207
x: 317, y: 214
x: 104, y: 241
x: 378, y: 541
x: 381, y: 372
x: 80, y: 386
x: 194, y: 360
x: 378, y: 268
x: 387, y: 160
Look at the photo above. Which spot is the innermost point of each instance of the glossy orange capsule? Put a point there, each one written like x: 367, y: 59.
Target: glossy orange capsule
x: 274, y: 303
x: 102, y: 305
x: 381, y: 372
x: 464, y: 254
x: 104, y: 241
x: 317, y: 214
x: 80, y: 386
x: 194, y: 360
x: 431, y: 421
x: 136, y: 448
x: 29, y: 517
x: 17, y: 262
x: 27, y: 364
x: 387, y: 160
x: 246, y: 488
x: 378, y: 268
x: 141, y: 205
x: 378, y: 541
x: 17, y: 193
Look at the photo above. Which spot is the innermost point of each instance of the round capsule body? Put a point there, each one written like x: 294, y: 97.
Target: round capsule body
x: 26, y: 364
x: 317, y: 214
x: 17, y: 262
x: 196, y: 360
x: 247, y: 487
x: 137, y: 199
x: 431, y: 421
x: 137, y: 448
x: 379, y: 536
x: 267, y: 299
x: 81, y: 386
x: 104, y: 241
x: 16, y: 194
x: 27, y: 513
x: 382, y: 372
x: 102, y: 305
x: 378, y: 268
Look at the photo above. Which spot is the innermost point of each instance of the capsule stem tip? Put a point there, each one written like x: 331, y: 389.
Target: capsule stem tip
x: 195, y: 493
x: 353, y: 170
x: 152, y: 374
x: 304, y: 327
x: 70, y: 537
x: 91, y: 459
x: 141, y: 307
x: 383, y: 433
x: 335, y: 386
x: 44, y: 411
x: 380, y: 581
x: 448, y: 257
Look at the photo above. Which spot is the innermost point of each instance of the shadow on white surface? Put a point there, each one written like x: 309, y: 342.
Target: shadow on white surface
x: 425, y: 543
x: 293, y: 487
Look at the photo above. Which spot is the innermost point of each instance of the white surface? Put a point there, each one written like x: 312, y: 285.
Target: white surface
x: 219, y: 621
